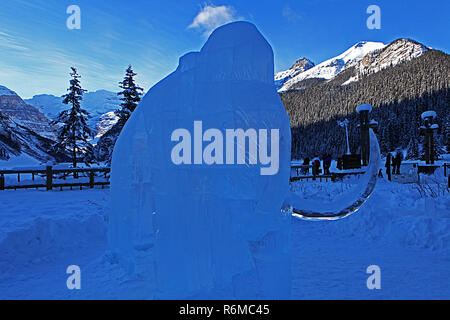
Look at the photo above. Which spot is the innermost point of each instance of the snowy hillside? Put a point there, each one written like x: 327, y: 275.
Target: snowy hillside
x: 12, y: 106
x: 98, y: 103
x: 366, y: 57
x: 332, y: 67
x: 26, y: 135
x: 106, y: 121
x: 21, y: 146
x: 299, y: 66
x: 4, y: 91
x: 396, y: 52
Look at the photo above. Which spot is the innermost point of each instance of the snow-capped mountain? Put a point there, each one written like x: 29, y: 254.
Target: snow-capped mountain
x: 13, y: 107
x: 98, y: 103
x: 299, y: 66
x: 366, y: 57
x: 332, y: 67
x: 107, y: 120
x: 24, y: 130
x: 397, y: 51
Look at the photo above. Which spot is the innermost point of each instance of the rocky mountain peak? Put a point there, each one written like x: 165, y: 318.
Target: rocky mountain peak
x: 397, y: 51
x: 302, y: 64
x: 12, y: 106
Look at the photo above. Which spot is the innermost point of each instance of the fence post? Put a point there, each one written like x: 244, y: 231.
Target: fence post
x: 2, y: 181
x: 49, y: 172
x: 91, y: 179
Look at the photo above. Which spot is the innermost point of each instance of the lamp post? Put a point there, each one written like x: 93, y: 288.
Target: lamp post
x: 427, y: 130
x: 364, y: 125
x: 344, y: 124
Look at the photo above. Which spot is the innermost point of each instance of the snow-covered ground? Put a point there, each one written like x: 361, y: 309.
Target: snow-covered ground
x: 20, y: 161
x: 404, y: 229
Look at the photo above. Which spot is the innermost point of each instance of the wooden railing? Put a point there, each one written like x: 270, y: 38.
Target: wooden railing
x: 306, y: 172
x: 48, y: 176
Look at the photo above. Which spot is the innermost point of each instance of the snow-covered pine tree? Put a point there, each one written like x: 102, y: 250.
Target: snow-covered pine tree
x: 439, y: 149
x: 131, y: 96
x: 413, y: 149
x: 446, y: 132
x: 73, y: 132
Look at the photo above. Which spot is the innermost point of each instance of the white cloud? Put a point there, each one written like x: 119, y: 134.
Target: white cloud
x: 210, y: 17
x: 290, y: 14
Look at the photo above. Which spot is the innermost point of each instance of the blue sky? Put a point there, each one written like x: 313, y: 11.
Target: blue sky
x: 37, y: 49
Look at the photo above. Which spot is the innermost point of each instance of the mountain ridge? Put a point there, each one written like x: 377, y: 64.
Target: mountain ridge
x: 99, y: 104
x: 365, y: 57
x: 398, y: 94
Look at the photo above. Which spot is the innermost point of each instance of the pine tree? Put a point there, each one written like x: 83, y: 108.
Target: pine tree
x: 446, y: 133
x: 73, y: 132
x: 413, y: 149
x: 438, y: 148
x: 131, y: 96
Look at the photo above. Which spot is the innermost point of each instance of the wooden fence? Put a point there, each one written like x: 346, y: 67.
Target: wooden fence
x: 49, y: 176
x: 303, y: 173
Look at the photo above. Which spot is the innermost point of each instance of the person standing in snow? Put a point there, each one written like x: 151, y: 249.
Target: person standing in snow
x: 327, y: 164
x: 394, y: 161
x: 316, y: 165
x: 305, y: 170
x: 388, y: 165
x: 398, y: 161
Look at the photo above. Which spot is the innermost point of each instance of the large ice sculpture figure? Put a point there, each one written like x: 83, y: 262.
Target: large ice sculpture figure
x: 206, y: 230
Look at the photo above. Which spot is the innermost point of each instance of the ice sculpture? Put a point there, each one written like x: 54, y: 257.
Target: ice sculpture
x: 347, y: 203
x: 204, y: 214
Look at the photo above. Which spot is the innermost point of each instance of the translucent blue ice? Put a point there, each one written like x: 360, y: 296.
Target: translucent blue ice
x: 205, y: 231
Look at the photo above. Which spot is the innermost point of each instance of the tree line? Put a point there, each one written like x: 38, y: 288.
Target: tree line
x: 398, y: 94
x: 74, y: 134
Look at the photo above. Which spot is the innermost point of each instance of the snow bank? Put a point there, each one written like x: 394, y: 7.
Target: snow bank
x: 15, y: 162
x: 45, y: 237
x: 404, y: 214
x: 40, y: 226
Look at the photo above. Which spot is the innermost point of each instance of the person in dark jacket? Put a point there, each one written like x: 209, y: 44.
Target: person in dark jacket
x: 316, y: 165
x: 388, y: 165
x: 398, y: 161
x: 394, y: 161
x: 305, y: 171
x: 327, y: 164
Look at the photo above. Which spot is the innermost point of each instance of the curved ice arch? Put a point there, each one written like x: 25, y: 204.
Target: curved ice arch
x: 347, y: 204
